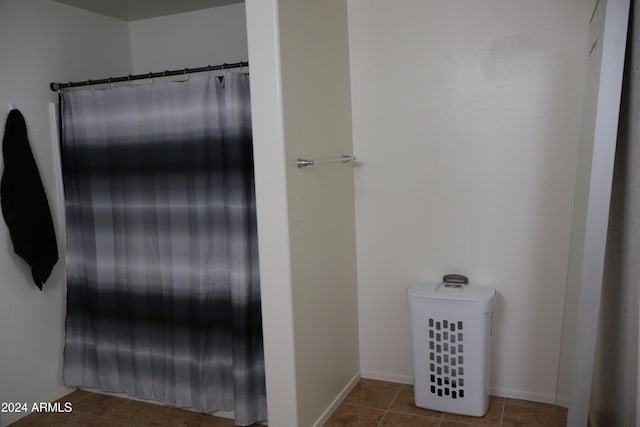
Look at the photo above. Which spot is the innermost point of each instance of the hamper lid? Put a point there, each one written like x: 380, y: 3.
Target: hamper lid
x: 450, y: 291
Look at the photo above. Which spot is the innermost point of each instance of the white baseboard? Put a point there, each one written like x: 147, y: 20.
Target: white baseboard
x: 523, y: 395
x: 496, y: 391
x: 337, y: 401
x: 562, y: 401
x: 8, y: 418
x: 385, y: 376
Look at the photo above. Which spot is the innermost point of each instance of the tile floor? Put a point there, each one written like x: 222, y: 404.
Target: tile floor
x: 371, y: 403
x: 99, y: 410
x: 378, y: 403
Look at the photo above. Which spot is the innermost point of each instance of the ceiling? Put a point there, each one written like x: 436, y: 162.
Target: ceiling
x: 133, y: 10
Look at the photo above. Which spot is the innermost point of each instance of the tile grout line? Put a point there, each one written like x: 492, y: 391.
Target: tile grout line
x: 504, y: 405
x: 386, y: 411
x: 440, y: 417
x: 362, y: 406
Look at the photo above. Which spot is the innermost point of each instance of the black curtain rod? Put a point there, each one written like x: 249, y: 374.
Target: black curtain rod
x: 57, y: 86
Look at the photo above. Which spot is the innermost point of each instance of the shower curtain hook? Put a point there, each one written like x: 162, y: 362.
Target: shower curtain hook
x: 186, y: 75
x: 150, y: 78
x: 130, y: 81
x: 210, y: 71
x: 110, y: 83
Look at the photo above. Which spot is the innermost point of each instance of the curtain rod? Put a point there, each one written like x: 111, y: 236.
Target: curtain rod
x: 57, y: 86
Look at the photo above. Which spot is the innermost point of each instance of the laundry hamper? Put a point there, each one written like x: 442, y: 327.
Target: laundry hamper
x: 451, y: 331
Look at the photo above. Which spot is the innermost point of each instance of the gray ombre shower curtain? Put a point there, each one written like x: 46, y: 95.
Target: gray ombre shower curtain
x: 163, y: 297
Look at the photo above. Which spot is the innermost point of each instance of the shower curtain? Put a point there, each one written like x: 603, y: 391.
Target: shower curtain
x: 163, y: 297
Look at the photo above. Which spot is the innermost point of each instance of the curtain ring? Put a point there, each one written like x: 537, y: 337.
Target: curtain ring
x: 110, y: 83
x: 150, y: 78
x: 130, y: 82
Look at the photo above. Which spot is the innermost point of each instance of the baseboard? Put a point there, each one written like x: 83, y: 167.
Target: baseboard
x: 337, y: 401
x: 496, y: 391
x: 562, y: 401
x: 385, y: 376
x: 523, y: 395
x: 8, y: 418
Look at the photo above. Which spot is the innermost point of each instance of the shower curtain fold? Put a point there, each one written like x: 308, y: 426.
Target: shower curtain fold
x: 163, y: 298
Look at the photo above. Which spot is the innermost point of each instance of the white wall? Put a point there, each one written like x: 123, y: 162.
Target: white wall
x: 607, y: 40
x: 466, y: 119
x: 314, y: 52
x: 581, y: 198
x: 188, y: 40
x: 43, y: 41
x: 272, y: 211
x: 615, y: 379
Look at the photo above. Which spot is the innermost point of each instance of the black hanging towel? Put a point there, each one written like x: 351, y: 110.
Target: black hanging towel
x: 24, y: 203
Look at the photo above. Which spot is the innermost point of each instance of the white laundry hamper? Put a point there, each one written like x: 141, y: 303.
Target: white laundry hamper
x: 451, y: 326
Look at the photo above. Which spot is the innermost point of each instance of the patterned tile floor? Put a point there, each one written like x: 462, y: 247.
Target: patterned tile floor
x: 371, y: 403
x: 375, y: 403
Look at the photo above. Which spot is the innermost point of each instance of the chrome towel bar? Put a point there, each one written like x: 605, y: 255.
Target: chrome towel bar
x: 301, y: 163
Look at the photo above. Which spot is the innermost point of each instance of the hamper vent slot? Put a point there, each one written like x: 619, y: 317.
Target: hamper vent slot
x: 446, y: 360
